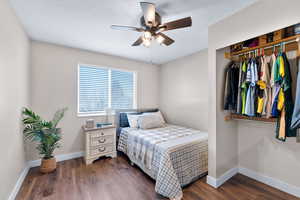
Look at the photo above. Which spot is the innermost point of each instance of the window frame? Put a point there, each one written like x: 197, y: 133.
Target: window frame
x: 103, y: 113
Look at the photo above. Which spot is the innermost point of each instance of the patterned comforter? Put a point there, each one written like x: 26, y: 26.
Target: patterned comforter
x: 174, y: 156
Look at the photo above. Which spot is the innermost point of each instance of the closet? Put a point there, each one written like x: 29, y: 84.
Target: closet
x: 261, y: 80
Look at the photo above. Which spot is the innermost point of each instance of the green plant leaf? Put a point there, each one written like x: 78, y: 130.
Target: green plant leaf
x: 41, y: 131
x: 58, y: 116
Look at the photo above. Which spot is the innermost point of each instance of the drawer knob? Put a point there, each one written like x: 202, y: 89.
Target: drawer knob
x: 102, y: 140
x: 101, y: 149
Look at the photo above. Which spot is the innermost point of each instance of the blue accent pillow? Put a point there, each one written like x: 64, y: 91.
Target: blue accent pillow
x: 124, y: 120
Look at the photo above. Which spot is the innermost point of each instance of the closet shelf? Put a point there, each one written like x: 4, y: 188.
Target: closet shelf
x: 288, y: 39
x: 243, y: 117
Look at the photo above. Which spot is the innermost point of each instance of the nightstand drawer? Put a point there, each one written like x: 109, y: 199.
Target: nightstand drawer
x: 96, y: 141
x: 104, y: 132
x: 101, y: 150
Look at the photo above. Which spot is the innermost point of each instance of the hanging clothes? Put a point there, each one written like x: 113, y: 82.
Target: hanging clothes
x: 279, y: 69
x: 249, y: 107
x: 295, y: 124
x: 272, y: 87
x: 293, y: 60
x: 260, y: 105
x: 274, y: 111
x: 288, y: 98
x: 257, y: 91
x: 251, y: 78
x: 282, y: 76
x: 226, y: 85
x: 231, y: 86
x: 272, y: 81
x: 242, y: 88
x: 264, y: 83
x: 273, y: 64
x: 239, y: 98
x: 262, y: 86
x: 276, y: 81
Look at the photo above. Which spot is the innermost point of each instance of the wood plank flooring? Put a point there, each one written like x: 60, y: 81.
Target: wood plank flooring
x: 115, y: 179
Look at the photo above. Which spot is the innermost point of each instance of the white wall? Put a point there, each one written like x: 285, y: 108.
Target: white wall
x: 184, y: 91
x: 262, y: 153
x: 14, y: 88
x: 228, y: 157
x: 54, y: 85
x: 257, y: 148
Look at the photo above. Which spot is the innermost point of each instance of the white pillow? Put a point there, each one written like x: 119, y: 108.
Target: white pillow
x: 133, y: 120
x: 158, y: 113
x: 146, y: 121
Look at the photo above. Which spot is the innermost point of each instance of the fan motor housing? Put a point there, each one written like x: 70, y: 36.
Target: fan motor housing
x: 157, y: 21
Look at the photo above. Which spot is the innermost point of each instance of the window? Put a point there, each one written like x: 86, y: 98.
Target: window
x: 104, y: 88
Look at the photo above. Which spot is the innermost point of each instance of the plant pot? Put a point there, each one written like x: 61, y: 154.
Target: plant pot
x: 48, y: 165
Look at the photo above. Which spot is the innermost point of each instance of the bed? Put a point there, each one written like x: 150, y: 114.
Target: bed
x: 172, y: 155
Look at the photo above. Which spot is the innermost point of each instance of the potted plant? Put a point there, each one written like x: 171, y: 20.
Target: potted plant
x: 46, y: 134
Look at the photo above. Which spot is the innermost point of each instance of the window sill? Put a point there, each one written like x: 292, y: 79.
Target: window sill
x: 82, y: 115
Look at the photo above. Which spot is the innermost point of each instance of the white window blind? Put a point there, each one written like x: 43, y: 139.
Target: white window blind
x: 122, y: 90
x: 104, y: 88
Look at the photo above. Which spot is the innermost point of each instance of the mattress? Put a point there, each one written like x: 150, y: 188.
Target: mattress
x: 172, y: 155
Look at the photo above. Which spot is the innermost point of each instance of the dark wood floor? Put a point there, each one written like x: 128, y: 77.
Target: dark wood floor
x: 115, y: 179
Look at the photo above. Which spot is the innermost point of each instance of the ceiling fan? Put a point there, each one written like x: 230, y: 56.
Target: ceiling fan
x: 152, y: 26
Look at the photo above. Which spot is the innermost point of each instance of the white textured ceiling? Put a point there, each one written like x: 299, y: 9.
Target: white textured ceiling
x: 85, y: 24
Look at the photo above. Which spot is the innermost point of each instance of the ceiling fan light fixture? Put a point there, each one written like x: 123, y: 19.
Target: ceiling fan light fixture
x: 152, y: 26
x: 146, y: 42
x: 147, y: 35
x: 160, y: 39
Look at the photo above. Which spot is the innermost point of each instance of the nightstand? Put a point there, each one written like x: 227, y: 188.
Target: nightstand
x: 99, y: 142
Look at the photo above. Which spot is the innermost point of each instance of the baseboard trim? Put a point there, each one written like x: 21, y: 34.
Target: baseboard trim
x: 217, y: 182
x: 19, y: 182
x: 275, y: 183
x: 61, y: 157
x: 278, y: 184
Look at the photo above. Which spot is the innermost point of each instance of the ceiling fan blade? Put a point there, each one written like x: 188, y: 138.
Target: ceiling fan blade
x: 138, y: 41
x: 126, y: 28
x: 167, y: 40
x: 180, y: 23
x: 149, y: 13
